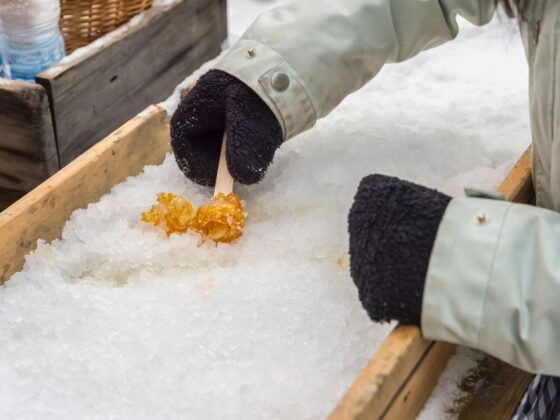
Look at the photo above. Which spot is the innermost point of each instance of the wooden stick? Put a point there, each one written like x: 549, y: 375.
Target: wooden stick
x: 224, y: 180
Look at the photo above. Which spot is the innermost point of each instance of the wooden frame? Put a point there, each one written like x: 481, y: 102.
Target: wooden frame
x: 42, y: 213
x: 25, y: 116
x: 396, y: 382
x: 81, y: 100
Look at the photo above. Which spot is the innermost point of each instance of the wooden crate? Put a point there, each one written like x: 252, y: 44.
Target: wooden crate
x: 73, y: 105
x: 404, y: 370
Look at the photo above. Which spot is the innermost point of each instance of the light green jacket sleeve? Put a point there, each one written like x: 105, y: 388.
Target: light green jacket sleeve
x: 494, y: 282
x: 304, y: 57
x: 493, y: 285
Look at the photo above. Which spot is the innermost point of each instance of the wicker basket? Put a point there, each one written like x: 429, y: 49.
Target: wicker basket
x: 83, y: 21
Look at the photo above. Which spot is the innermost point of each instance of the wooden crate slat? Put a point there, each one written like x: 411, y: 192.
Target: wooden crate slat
x: 421, y: 383
x: 42, y: 213
x: 99, y: 91
x: 399, y: 361
x: 83, y: 99
x: 28, y: 151
x: 518, y: 185
x: 380, y: 387
x: 493, y: 391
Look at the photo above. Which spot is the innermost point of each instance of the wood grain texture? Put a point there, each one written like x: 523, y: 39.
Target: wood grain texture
x: 42, y: 213
x: 492, y: 391
x: 383, y: 383
x: 423, y: 380
x: 27, y: 143
x: 402, y: 374
x: 518, y: 185
x: 98, y: 91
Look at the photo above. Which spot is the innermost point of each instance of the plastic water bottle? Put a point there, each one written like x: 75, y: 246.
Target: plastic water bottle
x: 32, y: 38
x: 1, y: 59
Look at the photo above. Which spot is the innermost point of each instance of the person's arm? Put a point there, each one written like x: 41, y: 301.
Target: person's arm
x: 476, y: 272
x: 493, y: 282
x: 303, y: 58
x: 292, y: 67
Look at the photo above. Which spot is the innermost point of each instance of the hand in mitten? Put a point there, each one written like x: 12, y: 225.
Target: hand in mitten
x: 393, y: 226
x: 220, y: 101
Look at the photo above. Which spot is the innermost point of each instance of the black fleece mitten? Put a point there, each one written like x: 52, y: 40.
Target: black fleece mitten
x: 220, y: 101
x: 393, y: 226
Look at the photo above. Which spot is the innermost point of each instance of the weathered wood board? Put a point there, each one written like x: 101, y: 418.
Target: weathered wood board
x: 100, y: 90
x: 492, y: 392
x: 87, y: 96
x: 42, y: 213
x: 403, y: 372
x: 27, y: 144
x: 401, y: 375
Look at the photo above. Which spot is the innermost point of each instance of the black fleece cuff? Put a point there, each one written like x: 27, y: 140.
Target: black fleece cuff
x: 217, y: 102
x: 393, y: 226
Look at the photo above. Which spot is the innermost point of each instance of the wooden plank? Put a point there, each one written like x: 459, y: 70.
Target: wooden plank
x: 42, y: 213
x: 27, y: 144
x: 383, y: 383
x: 423, y: 380
x: 402, y: 374
x: 137, y: 65
x: 518, y: 185
x: 492, y: 391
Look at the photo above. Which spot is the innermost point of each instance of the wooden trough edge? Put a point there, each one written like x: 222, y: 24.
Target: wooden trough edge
x: 402, y: 374
x: 42, y: 213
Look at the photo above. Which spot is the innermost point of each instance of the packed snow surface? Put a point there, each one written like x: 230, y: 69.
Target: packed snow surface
x: 117, y: 321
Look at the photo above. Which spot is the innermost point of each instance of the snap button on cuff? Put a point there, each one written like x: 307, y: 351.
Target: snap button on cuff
x: 481, y: 218
x: 251, y: 53
x: 280, y: 81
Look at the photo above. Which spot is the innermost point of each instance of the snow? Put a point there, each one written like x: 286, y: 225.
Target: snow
x: 440, y: 405
x: 171, y: 103
x: 117, y: 321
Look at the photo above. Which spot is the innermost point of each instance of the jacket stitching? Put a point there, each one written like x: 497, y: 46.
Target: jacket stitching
x: 308, y: 92
x: 489, y: 277
x: 554, y: 71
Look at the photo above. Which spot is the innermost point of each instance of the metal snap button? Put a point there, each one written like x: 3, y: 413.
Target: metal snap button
x: 280, y: 81
x: 251, y: 53
x: 481, y: 218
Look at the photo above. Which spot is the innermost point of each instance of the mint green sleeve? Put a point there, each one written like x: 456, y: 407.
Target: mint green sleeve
x: 303, y: 58
x: 493, y: 282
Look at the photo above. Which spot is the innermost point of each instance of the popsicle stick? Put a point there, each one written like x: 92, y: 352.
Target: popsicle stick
x: 224, y: 181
